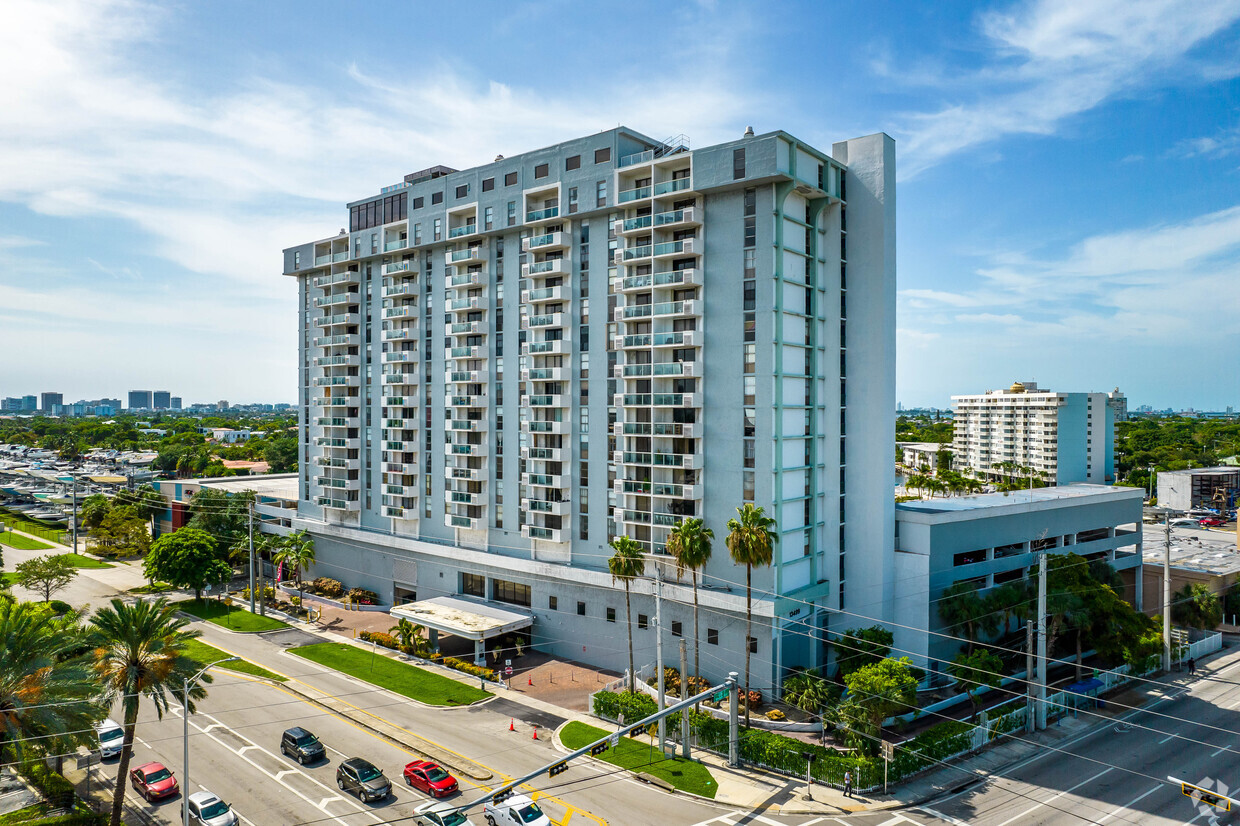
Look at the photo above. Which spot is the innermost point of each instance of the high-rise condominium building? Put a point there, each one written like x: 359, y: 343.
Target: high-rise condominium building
x: 175, y: 403
x: 50, y: 401
x: 161, y: 400
x: 139, y: 400
x: 504, y: 368
x: 1063, y: 437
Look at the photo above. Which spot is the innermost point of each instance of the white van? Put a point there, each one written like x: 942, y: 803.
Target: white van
x: 111, y: 737
x: 517, y: 810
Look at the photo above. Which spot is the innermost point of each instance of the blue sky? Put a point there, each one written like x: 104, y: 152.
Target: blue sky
x: 1068, y: 204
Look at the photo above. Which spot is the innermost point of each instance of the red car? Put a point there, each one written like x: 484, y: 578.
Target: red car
x: 430, y: 778
x: 153, y: 781
x: 1212, y: 522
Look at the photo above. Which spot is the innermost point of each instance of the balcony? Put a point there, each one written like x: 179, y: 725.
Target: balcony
x: 400, y: 378
x: 477, y: 400
x: 336, y: 361
x: 400, y: 357
x: 466, y: 328
x: 336, y: 421
x: 404, y: 290
x: 338, y: 257
x: 547, y: 242
x: 687, y: 430
x: 332, y: 341
x: 545, y: 480
x: 547, y: 534
x: 673, y: 186
x: 398, y: 468
x: 551, y: 320
x: 559, y: 508
x: 462, y: 231
x: 403, y: 333
x: 560, y: 347
x: 539, y: 426
x: 400, y: 268
x: 320, y: 260
x: 464, y: 305
x: 658, y: 400
x: 347, y: 277
x: 688, y: 369
x: 339, y: 318
x: 406, y: 312
x: 637, y: 517
x: 466, y: 473
x: 643, y: 488
x: 466, y: 377
x: 399, y: 513
x: 470, y: 523
x: 465, y: 279
x: 332, y: 441
x: 461, y: 497
x: 474, y: 352
x: 331, y: 461
x: 332, y: 503
x: 683, y: 247
x: 335, y: 483
x: 543, y: 454
x: 626, y: 196
x: 476, y: 450
x: 545, y: 374
x: 547, y: 401
x: 634, y: 253
x: 467, y: 424
x: 465, y: 256
x: 692, y: 307
x: 336, y: 401
x: 398, y: 244
x: 336, y: 298
x: 543, y: 294
x: 334, y: 381
x: 547, y: 214
x: 555, y: 266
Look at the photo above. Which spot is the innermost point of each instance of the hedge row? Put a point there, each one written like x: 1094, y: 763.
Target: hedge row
x: 388, y: 641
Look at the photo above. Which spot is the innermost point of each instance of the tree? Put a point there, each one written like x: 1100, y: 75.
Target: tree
x: 962, y: 608
x: 881, y: 690
x: 281, y: 455
x: 226, y: 517
x: 751, y: 542
x: 123, y: 532
x: 186, y: 559
x: 47, y: 574
x: 410, y: 636
x: 296, y: 552
x: 1196, y: 606
x: 48, y: 697
x: 808, y: 691
x: 140, y: 651
x: 626, y: 564
x: 93, y: 509
x: 861, y: 646
x: 1007, y: 602
x: 689, y: 542
x: 972, y: 671
x: 147, y: 503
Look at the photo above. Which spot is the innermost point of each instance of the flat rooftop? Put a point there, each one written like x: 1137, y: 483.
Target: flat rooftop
x: 1033, y: 496
x: 1212, y: 552
x: 277, y: 485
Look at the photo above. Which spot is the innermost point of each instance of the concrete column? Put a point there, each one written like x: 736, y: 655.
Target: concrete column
x: 434, y: 640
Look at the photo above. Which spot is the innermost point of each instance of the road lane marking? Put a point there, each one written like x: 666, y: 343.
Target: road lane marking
x: 1037, y: 806
x: 941, y: 816
x: 1127, y: 805
x: 285, y: 773
x: 1168, y: 737
x: 812, y: 822
x: 894, y: 820
x: 1217, y: 752
x: 244, y: 749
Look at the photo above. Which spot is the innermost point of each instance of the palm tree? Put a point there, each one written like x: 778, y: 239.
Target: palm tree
x: 296, y: 553
x: 47, y: 692
x: 689, y: 542
x: 140, y: 651
x: 751, y: 542
x: 626, y: 564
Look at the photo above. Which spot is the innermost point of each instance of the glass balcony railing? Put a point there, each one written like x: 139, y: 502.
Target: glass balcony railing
x: 643, y: 251
x: 637, y: 311
x: 640, y: 222
x: 536, y: 347
x: 674, y: 216
x: 635, y: 194
x: 675, y: 185
x: 543, y: 427
x: 639, y: 340
x: 537, y: 532
x: 636, y: 282
x: 540, y: 267
x: 635, y: 158
x: 670, y: 248
x: 467, y: 229
x: 398, y: 244
x: 543, y: 294
x: 542, y: 215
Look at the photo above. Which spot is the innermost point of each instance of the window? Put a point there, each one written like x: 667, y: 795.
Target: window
x: 572, y: 163
x: 510, y: 179
x: 601, y: 193
x: 643, y: 621
x: 488, y: 217
x: 297, y: 260
x: 602, y: 155
x: 514, y: 593
x: 553, y: 603
x: 462, y: 190
x: 738, y: 163
x: 542, y: 170
x: 676, y: 628
x: 753, y: 645
x: 581, y: 609
x: 712, y: 636
x: 488, y: 184
x: 475, y: 585
x: 512, y: 213
x: 438, y: 228
x: 436, y: 197
x: 572, y: 199
x: 611, y: 614
x: 418, y: 202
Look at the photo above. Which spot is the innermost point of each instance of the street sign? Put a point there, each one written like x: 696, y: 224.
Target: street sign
x: 507, y: 663
x: 614, y: 739
x: 720, y: 695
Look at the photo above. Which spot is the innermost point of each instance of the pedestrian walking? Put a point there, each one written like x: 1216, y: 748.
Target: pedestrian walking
x: 1192, y: 666
x: 847, y: 784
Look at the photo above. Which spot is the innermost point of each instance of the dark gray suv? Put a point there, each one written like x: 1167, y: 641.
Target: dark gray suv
x: 301, y: 745
x: 363, y: 779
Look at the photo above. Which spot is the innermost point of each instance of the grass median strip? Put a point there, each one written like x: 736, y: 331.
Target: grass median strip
x: 80, y: 561
x: 22, y: 543
x: 385, y: 672
x: 200, y: 652
x: 639, y: 755
x: 233, y: 617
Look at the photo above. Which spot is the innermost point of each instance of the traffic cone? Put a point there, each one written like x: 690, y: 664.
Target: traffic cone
x: 535, y: 732
x: 529, y: 680
x: 511, y: 727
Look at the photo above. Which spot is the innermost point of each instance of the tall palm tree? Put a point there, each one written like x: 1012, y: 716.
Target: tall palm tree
x: 296, y: 553
x: 751, y: 542
x: 689, y: 543
x: 48, y: 695
x: 626, y: 564
x: 140, y: 652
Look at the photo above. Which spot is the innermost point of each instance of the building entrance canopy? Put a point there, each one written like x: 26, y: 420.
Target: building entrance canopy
x: 477, y: 621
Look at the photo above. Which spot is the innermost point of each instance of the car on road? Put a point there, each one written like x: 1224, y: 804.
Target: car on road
x: 1184, y: 522
x: 438, y: 813
x: 153, y: 781
x: 111, y: 737
x: 209, y: 810
x: 517, y: 810
x: 430, y: 778
x: 362, y: 778
x: 1212, y: 522
x: 301, y: 745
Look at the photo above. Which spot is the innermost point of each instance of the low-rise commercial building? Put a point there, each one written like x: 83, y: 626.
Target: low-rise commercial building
x: 275, y: 500
x: 921, y: 455
x: 1212, y: 487
x: 1210, y: 558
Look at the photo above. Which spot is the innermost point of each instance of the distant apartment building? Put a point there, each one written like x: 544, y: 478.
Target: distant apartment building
x: 1065, y: 438
x: 161, y: 400
x: 175, y: 403
x: 49, y: 402
x: 504, y: 368
x: 139, y: 400
x: 1119, y: 406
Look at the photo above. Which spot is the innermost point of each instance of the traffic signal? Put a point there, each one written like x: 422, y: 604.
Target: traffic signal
x: 599, y: 748
x: 637, y: 732
x: 502, y: 796
x: 558, y: 768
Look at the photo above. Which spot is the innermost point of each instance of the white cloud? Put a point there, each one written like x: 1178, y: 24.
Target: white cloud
x: 1220, y: 145
x: 1052, y: 59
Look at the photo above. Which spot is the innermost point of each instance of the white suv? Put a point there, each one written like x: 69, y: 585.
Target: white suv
x: 111, y: 737
x: 517, y: 810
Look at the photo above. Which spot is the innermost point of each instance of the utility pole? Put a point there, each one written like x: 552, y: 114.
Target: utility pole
x: 734, y: 729
x: 251, y: 509
x: 1029, y: 706
x: 1167, y: 592
x: 1041, y: 704
x: 684, y: 695
x: 658, y: 651
x: 75, y: 516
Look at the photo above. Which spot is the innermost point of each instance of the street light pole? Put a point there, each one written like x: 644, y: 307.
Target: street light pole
x: 188, y: 683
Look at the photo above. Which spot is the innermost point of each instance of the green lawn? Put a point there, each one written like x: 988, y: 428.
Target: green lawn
x: 637, y: 754
x: 402, y: 678
x: 200, y: 652
x: 24, y: 543
x: 9, y: 577
x: 157, y: 588
x: 225, y: 616
x: 80, y: 561
x: 17, y: 521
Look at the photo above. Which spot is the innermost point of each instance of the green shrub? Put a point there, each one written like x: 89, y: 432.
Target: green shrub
x: 470, y: 668
x: 609, y: 705
x: 361, y: 596
x: 386, y: 640
x: 328, y: 587
x: 50, y: 784
x: 60, y: 607
x: 776, y: 715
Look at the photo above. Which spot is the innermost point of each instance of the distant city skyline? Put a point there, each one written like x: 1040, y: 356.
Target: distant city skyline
x: 1068, y: 207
